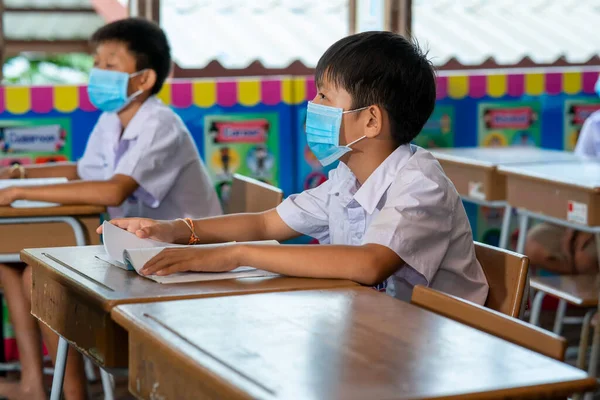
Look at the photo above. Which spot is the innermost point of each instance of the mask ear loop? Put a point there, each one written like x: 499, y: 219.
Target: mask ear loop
x: 357, y: 110
x: 356, y: 141
x: 361, y: 138
x: 138, y: 92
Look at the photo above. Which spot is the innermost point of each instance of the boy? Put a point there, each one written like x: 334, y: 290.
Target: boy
x: 140, y: 160
x: 387, y: 212
x: 558, y: 249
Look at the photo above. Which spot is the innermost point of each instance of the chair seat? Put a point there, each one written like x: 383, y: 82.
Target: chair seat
x: 579, y: 290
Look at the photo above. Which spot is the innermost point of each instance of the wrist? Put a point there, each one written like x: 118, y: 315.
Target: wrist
x: 238, y: 254
x: 15, y: 193
x: 17, y: 172
x: 181, y: 232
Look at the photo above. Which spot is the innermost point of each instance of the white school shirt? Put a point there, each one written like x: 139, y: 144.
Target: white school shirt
x: 588, y: 143
x: 408, y: 205
x: 158, y: 152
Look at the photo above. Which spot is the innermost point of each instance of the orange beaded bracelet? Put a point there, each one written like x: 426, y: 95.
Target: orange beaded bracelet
x: 190, y: 224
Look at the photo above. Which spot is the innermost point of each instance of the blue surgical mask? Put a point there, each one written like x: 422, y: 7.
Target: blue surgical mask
x: 107, y: 90
x: 597, y: 87
x: 323, y: 132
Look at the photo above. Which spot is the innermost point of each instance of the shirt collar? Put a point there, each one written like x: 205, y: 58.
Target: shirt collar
x: 372, y: 191
x: 135, y: 126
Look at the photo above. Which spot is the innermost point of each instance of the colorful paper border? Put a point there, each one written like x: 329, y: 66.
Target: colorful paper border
x: 295, y: 90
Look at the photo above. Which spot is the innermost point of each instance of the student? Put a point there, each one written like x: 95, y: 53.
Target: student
x: 387, y: 212
x: 140, y: 160
x: 562, y: 250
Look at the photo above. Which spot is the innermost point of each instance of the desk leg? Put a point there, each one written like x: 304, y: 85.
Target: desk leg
x: 505, y: 230
x: 59, y: 369
x: 560, y: 316
x: 536, y: 307
x: 584, y: 338
x: 107, y: 385
x: 523, y: 227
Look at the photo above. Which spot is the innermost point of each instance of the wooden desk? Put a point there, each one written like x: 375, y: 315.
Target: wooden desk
x: 351, y: 343
x: 579, y: 290
x: 73, y: 293
x: 547, y: 189
x: 46, y: 227
x: 474, y: 171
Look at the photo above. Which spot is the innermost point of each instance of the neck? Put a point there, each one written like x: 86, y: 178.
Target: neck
x: 127, y: 114
x: 362, y: 164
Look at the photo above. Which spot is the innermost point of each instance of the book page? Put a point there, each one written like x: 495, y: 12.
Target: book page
x: 5, y: 183
x: 186, y: 277
x: 137, y: 258
x: 117, y: 240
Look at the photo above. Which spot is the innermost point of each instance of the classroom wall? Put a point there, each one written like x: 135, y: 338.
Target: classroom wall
x: 255, y: 126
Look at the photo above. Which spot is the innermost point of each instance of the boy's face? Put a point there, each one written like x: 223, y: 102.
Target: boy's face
x: 114, y: 56
x: 354, y: 125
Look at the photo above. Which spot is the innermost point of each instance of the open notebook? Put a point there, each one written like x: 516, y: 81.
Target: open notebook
x: 127, y: 251
x: 4, y: 183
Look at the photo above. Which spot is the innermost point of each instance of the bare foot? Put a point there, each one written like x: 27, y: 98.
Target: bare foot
x: 14, y: 390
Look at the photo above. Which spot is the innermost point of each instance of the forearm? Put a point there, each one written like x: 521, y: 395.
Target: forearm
x: 240, y: 228
x: 104, y: 193
x: 59, y: 170
x: 368, y: 264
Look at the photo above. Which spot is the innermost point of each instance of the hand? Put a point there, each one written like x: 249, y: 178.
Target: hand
x: 145, y: 228
x: 8, y: 196
x: 172, y: 260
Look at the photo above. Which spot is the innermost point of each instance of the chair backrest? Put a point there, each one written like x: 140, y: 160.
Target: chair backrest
x: 493, y: 322
x: 250, y: 195
x: 506, y: 273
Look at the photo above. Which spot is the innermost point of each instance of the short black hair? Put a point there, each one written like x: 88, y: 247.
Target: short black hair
x: 384, y: 69
x: 145, y: 40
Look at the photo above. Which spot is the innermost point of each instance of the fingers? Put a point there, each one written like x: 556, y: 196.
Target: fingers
x: 164, y: 259
x: 146, y: 232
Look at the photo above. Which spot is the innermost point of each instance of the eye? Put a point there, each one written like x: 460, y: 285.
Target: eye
x: 321, y: 96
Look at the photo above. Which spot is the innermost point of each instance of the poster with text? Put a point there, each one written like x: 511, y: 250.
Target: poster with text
x: 576, y: 112
x: 514, y: 123
x: 34, y: 141
x: 246, y: 144
x: 438, y: 130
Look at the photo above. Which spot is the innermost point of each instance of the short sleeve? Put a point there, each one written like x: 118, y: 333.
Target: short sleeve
x: 307, y: 213
x: 91, y: 165
x: 416, y: 223
x: 153, y: 160
x: 589, y: 137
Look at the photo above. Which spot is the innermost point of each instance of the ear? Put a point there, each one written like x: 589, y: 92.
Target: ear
x: 374, y: 121
x: 145, y: 81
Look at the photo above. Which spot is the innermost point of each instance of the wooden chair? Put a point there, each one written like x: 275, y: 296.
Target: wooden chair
x: 490, y: 321
x: 250, y: 195
x: 506, y: 273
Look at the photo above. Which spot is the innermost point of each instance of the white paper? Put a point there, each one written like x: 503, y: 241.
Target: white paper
x: 126, y: 250
x: 577, y: 212
x: 117, y: 240
x: 6, y: 183
x: 186, y: 277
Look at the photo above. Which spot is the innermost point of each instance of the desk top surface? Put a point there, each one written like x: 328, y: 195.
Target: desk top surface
x: 583, y: 174
x: 59, y: 211
x: 351, y: 343
x: 79, y: 269
x: 496, y: 156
